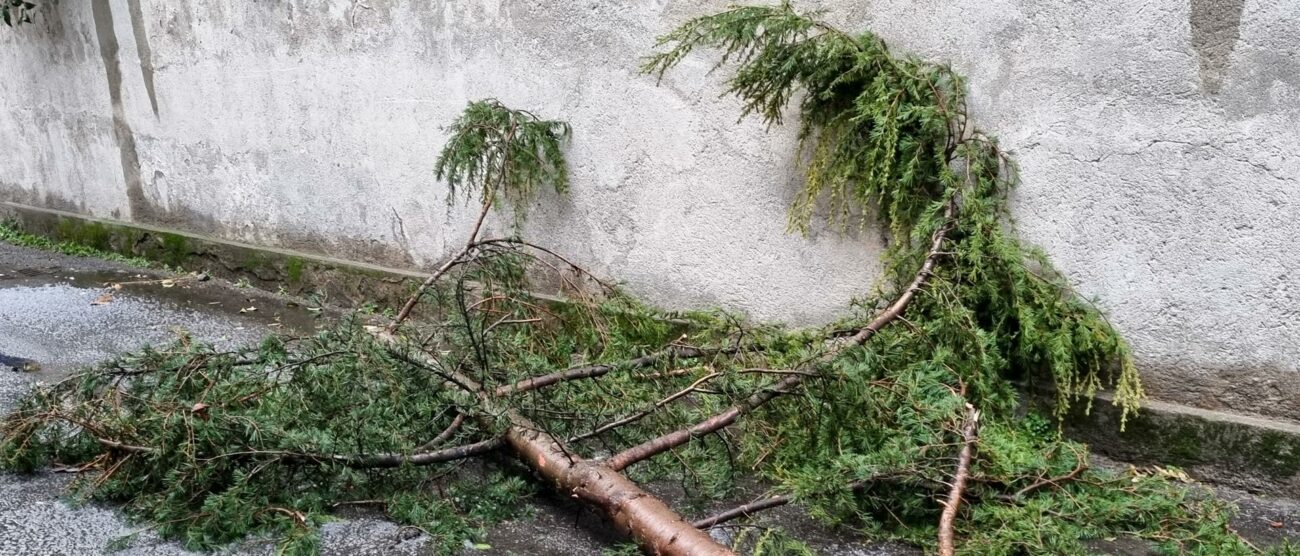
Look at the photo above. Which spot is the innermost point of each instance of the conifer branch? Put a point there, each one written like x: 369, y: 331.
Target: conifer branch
x: 650, y: 522
x: 970, y: 435
x: 495, y: 151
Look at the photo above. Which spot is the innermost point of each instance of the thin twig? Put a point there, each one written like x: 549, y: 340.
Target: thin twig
x: 656, y: 446
x: 379, y: 461
x: 970, y: 435
x: 591, y: 371
x: 1079, y: 468
x: 453, y: 261
x: 643, y: 413
x: 445, y: 435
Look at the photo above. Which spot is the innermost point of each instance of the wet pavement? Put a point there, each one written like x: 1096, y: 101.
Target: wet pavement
x: 60, y: 313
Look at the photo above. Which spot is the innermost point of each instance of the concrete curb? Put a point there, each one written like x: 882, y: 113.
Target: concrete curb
x: 341, y: 282
x: 1254, y: 454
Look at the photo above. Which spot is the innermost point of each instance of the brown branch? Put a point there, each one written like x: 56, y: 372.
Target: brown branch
x: 422, y: 458
x: 656, y: 446
x: 446, y: 433
x: 970, y: 435
x: 126, y: 447
x: 591, y: 371
x: 380, y: 461
x: 743, y: 511
x: 451, y: 262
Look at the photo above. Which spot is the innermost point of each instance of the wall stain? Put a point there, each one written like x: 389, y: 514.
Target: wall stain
x: 141, y: 33
x: 108, y: 50
x: 1216, y: 26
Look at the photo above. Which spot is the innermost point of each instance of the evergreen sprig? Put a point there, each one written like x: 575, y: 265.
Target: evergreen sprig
x: 495, y: 151
x: 889, y: 136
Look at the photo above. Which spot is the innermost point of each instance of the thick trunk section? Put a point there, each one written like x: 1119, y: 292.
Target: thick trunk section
x: 651, y: 523
x: 635, y: 512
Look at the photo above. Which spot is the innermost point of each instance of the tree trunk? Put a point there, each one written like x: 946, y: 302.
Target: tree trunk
x: 637, y: 513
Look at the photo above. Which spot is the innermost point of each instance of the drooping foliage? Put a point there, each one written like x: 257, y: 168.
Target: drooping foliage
x: 889, y: 137
x: 494, y: 150
x: 210, y: 446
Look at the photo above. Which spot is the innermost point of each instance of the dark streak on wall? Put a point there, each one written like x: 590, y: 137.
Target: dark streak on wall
x: 108, y: 50
x: 140, y: 30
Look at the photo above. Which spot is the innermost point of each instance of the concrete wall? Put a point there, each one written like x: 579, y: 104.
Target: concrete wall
x: 1157, y: 140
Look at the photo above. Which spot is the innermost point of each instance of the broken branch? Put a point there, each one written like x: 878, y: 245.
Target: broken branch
x: 970, y: 435
x: 635, y: 512
x: 656, y: 446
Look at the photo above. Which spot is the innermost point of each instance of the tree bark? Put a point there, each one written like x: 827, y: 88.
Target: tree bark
x: 637, y: 513
x: 947, y: 520
x: 646, y: 519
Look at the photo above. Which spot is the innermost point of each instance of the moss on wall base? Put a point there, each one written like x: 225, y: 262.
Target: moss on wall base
x: 1253, y: 454
x: 340, y: 282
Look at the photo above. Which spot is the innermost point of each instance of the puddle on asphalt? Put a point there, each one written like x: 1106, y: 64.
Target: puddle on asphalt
x: 53, y: 322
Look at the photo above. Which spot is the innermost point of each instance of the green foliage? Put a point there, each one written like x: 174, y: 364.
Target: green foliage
x: 238, y: 443
x: 496, y: 151
x: 10, y: 233
x: 249, y: 442
x: 16, y: 12
x: 890, y: 136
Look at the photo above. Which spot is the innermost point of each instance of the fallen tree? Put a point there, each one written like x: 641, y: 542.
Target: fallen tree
x: 868, y: 424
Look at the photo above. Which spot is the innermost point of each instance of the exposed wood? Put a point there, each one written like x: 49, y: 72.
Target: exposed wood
x: 970, y: 435
x: 633, y: 511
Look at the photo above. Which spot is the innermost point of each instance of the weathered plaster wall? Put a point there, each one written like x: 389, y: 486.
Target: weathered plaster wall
x: 1157, y: 140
